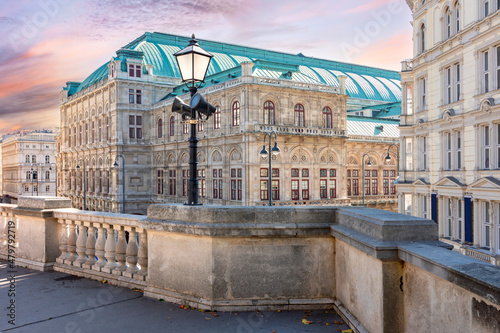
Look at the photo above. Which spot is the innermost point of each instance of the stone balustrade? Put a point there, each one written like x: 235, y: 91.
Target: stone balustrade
x: 382, y: 271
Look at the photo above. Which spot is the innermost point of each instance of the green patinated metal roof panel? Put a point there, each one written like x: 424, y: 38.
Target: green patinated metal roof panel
x: 95, y: 77
x: 362, y: 81
x: 364, y: 126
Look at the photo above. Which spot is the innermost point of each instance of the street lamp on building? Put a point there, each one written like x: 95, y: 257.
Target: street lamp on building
x: 388, y: 157
x: 33, y: 176
x: 123, y: 176
x: 50, y: 169
x: 263, y: 153
x: 84, y: 187
x: 369, y: 163
x: 193, y: 64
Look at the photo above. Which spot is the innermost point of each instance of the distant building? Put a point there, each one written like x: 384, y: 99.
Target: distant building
x: 124, y: 109
x: 28, y: 165
x: 450, y: 124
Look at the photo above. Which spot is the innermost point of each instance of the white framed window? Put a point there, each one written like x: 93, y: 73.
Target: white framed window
x: 447, y: 23
x: 47, y: 159
x: 409, y: 153
x: 498, y: 226
x: 458, y: 150
x: 486, y: 218
x: 486, y: 7
x: 497, y: 64
x: 424, y: 206
x: 447, y: 86
x: 422, y: 38
x: 497, y: 144
x: 408, y: 204
x: 423, y: 151
x: 423, y: 94
x: 457, y: 81
x: 459, y: 218
x: 457, y: 16
x: 485, y: 151
x: 447, y: 151
x: 409, y: 99
x: 485, y: 71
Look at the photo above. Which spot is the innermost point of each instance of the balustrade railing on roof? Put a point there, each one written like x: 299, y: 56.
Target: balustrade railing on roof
x: 299, y: 130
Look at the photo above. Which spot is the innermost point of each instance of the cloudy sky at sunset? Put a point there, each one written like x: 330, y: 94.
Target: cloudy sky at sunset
x: 45, y: 43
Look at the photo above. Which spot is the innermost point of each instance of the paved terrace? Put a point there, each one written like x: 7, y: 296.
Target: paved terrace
x: 57, y: 302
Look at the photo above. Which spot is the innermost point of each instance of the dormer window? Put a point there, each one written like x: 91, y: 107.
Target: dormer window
x: 134, y: 70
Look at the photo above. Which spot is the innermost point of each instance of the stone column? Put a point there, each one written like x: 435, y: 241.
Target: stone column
x: 121, y: 250
x: 109, y: 249
x: 90, y: 246
x: 81, y: 243
x: 99, y: 249
x: 132, y: 251
x: 63, y: 241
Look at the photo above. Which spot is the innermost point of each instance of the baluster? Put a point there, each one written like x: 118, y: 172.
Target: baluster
x: 109, y: 249
x: 90, y: 245
x: 71, y: 243
x: 63, y: 242
x: 143, y: 256
x: 81, y: 242
x: 121, y: 249
x: 132, y: 250
x: 99, y: 249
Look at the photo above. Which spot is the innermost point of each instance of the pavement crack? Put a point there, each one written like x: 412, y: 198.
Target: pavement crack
x: 71, y: 313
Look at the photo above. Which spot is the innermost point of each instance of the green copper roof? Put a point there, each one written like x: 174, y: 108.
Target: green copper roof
x: 362, y: 82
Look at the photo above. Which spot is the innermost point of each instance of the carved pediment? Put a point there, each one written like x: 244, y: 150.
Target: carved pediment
x: 420, y: 182
x: 449, y: 182
x: 486, y: 183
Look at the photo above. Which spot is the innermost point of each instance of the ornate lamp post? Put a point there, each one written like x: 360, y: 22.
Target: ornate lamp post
x: 123, y: 176
x: 388, y: 157
x: 50, y: 169
x: 263, y: 153
x: 369, y: 163
x: 84, y: 187
x: 193, y: 64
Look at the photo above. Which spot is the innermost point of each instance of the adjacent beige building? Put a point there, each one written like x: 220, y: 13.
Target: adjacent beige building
x: 120, y: 117
x: 450, y: 123
x: 28, y: 165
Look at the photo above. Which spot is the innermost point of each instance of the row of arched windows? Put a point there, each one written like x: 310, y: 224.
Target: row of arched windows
x: 269, y: 117
x: 89, y: 132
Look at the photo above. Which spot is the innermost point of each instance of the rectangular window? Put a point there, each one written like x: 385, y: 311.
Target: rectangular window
x: 172, y: 182
x: 138, y: 97
x: 447, y: 82
x: 486, y: 73
x: 409, y: 99
x: 323, y: 190
x: 333, y: 188
x: 217, y: 183
x: 448, y: 152
x: 134, y: 70
x: 497, y: 64
x: 486, y: 225
x: 409, y: 153
x: 201, y: 183
x: 423, y: 95
x: 47, y: 188
x: 374, y: 186
x: 275, y: 189
x: 408, y: 204
x: 263, y: 190
x: 458, y: 150
x: 486, y: 147
x: 486, y: 7
x: 423, y: 143
x: 236, y: 184
x: 423, y: 206
x: 295, y: 189
x: 449, y: 217
x: 159, y: 182
x: 131, y: 96
x: 457, y: 82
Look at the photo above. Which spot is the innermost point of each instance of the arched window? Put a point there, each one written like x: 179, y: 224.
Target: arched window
x: 447, y: 23
x: 422, y: 38
x: 236, y: 113
x: 47, y: 175
x: 299, y: 115
x: 456, y: 9
x: 217, y: 117
x: 327, y: 117
x: 269, y: 113
x: 27, y: 159
x: 33, y: 159
x: 172, y: 126
x: 160, y: 128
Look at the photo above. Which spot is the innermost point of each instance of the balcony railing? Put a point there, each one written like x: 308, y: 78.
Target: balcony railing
x: 298, y: 130
x: 406, y: 65
x: 319, y: 202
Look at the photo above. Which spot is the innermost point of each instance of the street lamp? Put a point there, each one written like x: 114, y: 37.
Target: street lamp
x: 123, y: 176
x: 369, y: 163
x: 193, y: 64
x: 388, y: 157
x: 50, y: 169
x: 263, y: 153
x: 33, y: 174
x: 84, y: 188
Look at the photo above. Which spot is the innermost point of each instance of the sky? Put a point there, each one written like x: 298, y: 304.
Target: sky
x: 45, y: 43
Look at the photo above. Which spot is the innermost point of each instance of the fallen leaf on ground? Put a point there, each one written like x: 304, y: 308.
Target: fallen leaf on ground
x: 306, y: 322
x: 206, y: 318
x: 273, y: 331
x: 347, y: 331
x: 278, y: 310
x: 338, y: 322
x: 216, y: 315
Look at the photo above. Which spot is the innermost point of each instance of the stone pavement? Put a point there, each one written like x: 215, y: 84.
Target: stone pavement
x: 57, y: 302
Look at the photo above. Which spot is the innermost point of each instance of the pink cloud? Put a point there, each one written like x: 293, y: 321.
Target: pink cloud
x: 369, y: 6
